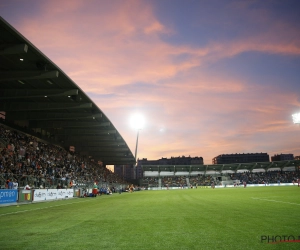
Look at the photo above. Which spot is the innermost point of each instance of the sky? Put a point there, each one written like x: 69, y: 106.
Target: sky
x: 210, y: 77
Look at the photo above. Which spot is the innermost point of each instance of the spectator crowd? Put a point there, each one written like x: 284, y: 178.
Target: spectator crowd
x: 28, y: 160
x: 269, y: 177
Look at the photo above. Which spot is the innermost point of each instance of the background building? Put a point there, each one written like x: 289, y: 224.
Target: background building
x: 183, y: 160
x: 282, y: 157
x: 127, y: 171
x: 180, y: 160
x: 124, y: 171
x: 241, y: 158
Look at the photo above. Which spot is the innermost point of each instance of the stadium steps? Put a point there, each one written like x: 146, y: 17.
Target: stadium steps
x: 188, y: 182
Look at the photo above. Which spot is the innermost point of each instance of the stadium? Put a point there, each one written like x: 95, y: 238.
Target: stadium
x: 55, y: 146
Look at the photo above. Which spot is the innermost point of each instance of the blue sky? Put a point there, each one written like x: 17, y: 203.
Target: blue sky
x: 210, y: 77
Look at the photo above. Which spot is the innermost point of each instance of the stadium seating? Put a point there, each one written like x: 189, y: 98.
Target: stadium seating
x: 30, y: 160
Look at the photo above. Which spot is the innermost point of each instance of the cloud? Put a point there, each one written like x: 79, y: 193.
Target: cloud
x: 118, y: 53
x: 117, y: 48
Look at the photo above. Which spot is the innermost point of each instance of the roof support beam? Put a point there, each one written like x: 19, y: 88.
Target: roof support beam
x: 238, y: 167
x: 102, y: 149
x: 83, y: 132
x: 14, y: 49
x: 80, y: 138
x: 222, y: 168
x: 23, y: 75
x: 95, y: 144
x: 118, y: 161
x: 99, y: 154
x: 52, y: 116
x: 67, y: 124
x: 32, y: 93
x: 25, y: 106
x: 112, y: 158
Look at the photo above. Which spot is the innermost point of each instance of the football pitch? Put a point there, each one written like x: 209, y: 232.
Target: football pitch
x: 203, y: 218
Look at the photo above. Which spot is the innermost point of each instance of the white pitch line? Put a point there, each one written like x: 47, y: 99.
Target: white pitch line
x: 276, y: 201
x: 267, y: 197
x: 29, y: 210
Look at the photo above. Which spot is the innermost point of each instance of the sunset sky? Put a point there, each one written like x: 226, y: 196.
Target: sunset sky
x: 210, y: 77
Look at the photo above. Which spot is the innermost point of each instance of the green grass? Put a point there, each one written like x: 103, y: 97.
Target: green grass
x: 229, y: 218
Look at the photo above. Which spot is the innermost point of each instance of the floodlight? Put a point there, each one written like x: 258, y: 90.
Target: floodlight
x: 296, y: 118
x: 137, y: 121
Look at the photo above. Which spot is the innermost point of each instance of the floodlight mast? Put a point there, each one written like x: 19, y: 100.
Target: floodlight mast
x: 136, y: 146
x: 137, y: 122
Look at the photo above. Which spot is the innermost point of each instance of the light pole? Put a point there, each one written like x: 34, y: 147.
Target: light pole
x: 137, y: 122
x: 296, y: 120
x: 135, y: 154
x: 136, y: 145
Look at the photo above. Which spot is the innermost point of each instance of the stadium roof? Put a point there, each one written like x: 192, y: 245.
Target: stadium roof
x: 36, y: 94
x: 221, y: 167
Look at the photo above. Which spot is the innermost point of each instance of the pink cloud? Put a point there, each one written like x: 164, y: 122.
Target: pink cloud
x: 111, y: 47
x: 127, y: 48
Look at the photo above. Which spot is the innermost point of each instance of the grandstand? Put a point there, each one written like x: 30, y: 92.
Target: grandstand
x: 162, y: 176
x: 52, y: 134
x: 39, y: 99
